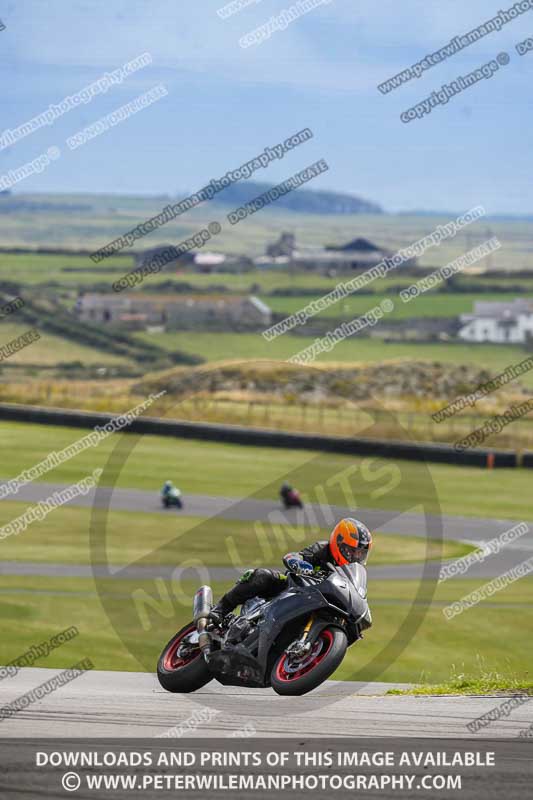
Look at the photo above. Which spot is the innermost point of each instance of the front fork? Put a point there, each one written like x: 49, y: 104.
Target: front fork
x: 302, y: 646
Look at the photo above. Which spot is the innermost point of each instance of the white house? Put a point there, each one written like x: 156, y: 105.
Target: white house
x: 501, y: 323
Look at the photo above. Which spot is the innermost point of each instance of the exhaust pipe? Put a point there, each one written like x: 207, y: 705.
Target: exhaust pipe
x: 203, y: 603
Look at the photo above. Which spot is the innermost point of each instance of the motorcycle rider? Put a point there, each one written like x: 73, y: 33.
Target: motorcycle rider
x: 286, y: 491
x: 168, y: 488
x: 349, y: 543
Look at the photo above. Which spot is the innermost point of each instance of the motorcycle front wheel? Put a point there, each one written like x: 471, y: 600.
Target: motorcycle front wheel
x: 291, y: 677
x: 181, y: 668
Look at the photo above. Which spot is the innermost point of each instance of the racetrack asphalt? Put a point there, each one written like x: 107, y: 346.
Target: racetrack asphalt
x: 469, y: 529
x: 132, y: 704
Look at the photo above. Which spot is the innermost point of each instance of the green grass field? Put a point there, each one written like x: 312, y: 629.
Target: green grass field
x: 50, y: 350
x: 172, y: 539
x: 243, y: 346
x: 35, y: 609
x: 241, y: 471
x: 33, y: 269
x: 432, y: 304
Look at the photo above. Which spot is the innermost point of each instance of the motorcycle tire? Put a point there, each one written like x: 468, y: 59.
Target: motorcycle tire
x: 317, y: 667
x: 181, y: 675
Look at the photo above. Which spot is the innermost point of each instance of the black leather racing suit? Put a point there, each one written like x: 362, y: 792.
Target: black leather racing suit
x: 268, y: 583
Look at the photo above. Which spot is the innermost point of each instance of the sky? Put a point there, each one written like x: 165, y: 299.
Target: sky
x: 226, y: 103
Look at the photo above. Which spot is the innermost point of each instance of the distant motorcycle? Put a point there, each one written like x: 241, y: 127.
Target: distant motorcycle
x: 292, y: 499
x: 291, y: 643
x: 172, y: 498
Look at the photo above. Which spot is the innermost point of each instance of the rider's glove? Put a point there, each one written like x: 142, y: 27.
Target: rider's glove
x: 298, y: 565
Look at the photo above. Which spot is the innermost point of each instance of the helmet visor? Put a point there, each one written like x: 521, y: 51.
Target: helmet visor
x: 353, y: 555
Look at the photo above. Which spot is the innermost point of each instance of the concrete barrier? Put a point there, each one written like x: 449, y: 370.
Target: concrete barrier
x: 261, y: 437
x: 527, y: 460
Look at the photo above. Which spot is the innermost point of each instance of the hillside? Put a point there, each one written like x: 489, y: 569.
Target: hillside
x: 304, y: 201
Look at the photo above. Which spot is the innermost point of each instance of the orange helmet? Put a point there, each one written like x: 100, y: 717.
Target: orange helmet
x: 350, y: 542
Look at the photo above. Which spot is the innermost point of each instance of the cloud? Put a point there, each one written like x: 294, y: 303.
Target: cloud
x: 340, y: 47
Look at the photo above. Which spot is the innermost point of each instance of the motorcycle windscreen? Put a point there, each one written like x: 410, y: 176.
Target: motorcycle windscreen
x: 346, y: 589
x: 357, y: 574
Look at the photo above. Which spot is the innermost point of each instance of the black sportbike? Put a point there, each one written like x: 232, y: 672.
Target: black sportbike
x: 292, y: 643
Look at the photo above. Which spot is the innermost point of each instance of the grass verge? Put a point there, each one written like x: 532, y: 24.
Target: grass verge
x: 171, y: 538
x: 474, y: 684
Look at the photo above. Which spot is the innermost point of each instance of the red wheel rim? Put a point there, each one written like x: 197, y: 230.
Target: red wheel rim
x: 325, y: 640
x: 171, y: 660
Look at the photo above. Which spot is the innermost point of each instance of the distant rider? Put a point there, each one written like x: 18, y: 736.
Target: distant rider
x: 349, y: 543
x: 286, y: 491
x: 168, y: 489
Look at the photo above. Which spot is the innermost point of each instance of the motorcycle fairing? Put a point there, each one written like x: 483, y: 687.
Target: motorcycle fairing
x: 227, y: 663
x: 247, y: 663
x: 235, y: 666
x: 346, y: 588
x: 291, y: 604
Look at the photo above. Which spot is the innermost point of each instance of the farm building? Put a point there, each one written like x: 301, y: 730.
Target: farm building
x: 208, y: 262
x: 203, y: 261
x: 359, y: 254
x: 176, y: 312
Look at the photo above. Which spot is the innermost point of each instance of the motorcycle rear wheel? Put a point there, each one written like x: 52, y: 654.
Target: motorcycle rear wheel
x: 326, y: 655
x: 182, y: 674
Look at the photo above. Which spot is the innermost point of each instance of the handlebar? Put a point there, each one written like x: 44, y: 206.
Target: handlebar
x: 309, y: 579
